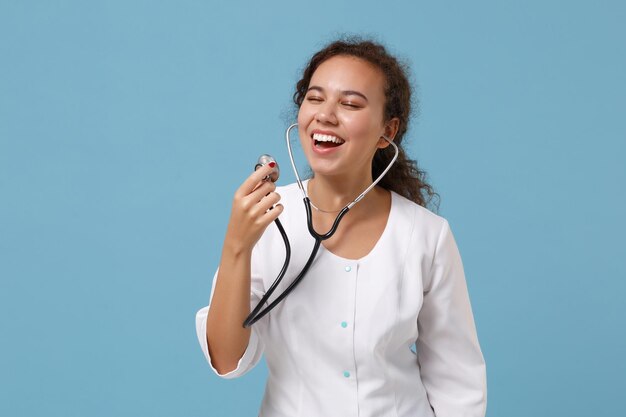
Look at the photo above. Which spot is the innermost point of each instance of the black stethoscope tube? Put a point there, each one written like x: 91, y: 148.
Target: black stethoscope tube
x: 254, y: 314
x: 257, y: 313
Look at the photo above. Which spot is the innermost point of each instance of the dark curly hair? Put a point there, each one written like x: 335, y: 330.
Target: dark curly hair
x: 404, y: 177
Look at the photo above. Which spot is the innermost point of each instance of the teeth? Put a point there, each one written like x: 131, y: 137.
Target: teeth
x: 327, y: 138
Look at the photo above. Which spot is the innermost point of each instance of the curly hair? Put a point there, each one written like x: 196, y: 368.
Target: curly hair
x: 404, y: 177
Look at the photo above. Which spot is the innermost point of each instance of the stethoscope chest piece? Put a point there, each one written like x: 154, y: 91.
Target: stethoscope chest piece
x: 264, y: 160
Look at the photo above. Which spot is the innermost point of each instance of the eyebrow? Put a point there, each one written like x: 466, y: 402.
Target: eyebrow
x: 344, y: 93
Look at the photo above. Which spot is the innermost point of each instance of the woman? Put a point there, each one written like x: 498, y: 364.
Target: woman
x: 389, y: 278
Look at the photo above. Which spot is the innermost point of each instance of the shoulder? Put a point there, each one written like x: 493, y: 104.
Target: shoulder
x: 420, y: 229
x: 422, y: 218
x: 289, y: 190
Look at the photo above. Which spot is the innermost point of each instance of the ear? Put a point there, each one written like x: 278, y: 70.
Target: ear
x: 391, y: 128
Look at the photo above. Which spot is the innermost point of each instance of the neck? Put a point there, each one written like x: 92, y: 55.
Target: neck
x: 333, y: 193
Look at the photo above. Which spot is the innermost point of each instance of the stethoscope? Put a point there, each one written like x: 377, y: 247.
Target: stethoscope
x: 258, y: 311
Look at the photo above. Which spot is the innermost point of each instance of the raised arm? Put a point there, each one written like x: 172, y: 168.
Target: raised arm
x: 230, y: 305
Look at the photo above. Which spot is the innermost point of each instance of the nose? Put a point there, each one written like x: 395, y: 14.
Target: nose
x: 326, y: 113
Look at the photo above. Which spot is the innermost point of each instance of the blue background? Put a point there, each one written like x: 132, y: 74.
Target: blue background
x: 126, y: 126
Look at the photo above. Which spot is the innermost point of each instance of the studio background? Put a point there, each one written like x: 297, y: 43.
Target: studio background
x: 126, y: 126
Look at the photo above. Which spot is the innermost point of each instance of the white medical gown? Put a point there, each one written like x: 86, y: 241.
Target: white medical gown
x: 340, y: 343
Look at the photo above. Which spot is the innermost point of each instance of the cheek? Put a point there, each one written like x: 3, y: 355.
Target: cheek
x: 304, y: 115
x: 363, y: 125
x: 302, y: 128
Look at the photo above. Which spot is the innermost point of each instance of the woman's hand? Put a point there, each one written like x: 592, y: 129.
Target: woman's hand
x: 251, y: 214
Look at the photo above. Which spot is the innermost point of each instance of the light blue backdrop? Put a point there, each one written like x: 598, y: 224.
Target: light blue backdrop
x: 125, y: 127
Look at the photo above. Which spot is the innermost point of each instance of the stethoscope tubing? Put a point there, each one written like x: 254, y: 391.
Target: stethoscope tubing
x: 258, y: 312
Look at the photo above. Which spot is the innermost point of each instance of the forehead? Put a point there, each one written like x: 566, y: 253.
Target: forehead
x: 349, y: 73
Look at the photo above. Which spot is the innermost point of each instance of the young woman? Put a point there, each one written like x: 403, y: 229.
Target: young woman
x: 390, y: 277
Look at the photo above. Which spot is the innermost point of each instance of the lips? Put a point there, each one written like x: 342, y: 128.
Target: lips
x: 326, y: 140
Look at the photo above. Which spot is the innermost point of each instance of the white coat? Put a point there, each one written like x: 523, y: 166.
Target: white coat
x: 341, y: 343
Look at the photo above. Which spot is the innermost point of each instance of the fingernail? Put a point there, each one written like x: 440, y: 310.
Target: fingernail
x: 272, y: 164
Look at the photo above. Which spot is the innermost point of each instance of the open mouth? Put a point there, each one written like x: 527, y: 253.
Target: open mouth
x: 327, y: 141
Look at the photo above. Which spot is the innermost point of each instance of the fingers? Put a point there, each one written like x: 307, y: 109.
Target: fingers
x: 273, y: 214
x: 261, y: 191
x: 254, y: 208
x: 252, y: 182
x: 268, y: 202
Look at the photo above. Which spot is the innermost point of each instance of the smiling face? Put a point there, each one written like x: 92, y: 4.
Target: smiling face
x: 341, y: 118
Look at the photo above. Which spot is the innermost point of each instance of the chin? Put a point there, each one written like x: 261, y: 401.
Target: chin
x: 324, y: 169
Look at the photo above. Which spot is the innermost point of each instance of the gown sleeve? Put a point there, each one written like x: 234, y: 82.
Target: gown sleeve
x: 254, y: 350
x: 451, y: 363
